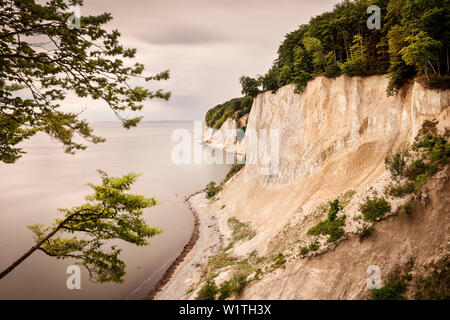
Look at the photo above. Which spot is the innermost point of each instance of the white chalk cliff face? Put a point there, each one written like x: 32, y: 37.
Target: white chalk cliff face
x: 333, y: 137
x: 227, y: 137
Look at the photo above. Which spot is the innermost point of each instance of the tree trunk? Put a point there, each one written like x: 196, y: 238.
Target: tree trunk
x: 29, y: 252
x: 432, y: 68
x: 36, y: 246
x: 448, y: 64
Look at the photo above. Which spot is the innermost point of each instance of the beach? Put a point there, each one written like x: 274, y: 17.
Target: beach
x: 186, y: 270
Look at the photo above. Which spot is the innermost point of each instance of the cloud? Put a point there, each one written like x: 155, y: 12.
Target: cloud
x: 206, y: 44
x: 184, y: 35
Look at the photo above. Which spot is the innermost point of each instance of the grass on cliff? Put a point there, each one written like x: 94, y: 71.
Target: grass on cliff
x: 242, y: 269
x: 234, y: 286
x: 428, y: 155
x: 332, y: 226
x: 208, y: 291
x: 240, y: 230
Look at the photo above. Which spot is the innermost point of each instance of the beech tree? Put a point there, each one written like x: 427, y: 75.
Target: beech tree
x: 413, y: 41
x: 250, y: 86
x: 109, y: 213
x: 43, y: 58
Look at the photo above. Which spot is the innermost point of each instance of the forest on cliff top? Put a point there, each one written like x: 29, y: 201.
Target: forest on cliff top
x: 412, y: 40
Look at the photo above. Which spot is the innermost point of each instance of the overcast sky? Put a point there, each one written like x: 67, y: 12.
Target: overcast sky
x: 206, y: 44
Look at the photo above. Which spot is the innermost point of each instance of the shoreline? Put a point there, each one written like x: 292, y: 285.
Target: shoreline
x: 181, y: 280
x: 167, y: 276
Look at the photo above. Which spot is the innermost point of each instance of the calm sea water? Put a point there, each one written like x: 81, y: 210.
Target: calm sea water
x: 46, y: 179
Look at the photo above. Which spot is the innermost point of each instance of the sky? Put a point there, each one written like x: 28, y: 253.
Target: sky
x: 206, y: 44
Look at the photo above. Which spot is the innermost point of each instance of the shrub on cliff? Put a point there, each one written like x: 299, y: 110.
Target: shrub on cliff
x: 365, y: 231
x: 406, y: 209
x: 278, y: 261
x: 208, y: 291
x: 211, y: 189
x: 332, y: 226
x: 375, y: 208
x: 401, y: 190
x: 396, y: 162
x: 233, y: 286
x: 391, y: 291
x: 431, y: 152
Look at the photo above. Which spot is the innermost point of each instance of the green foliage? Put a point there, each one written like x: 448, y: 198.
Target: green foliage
x: 234, y: 169
x: 406, y: 209
x: 34, y: 79
x: 278, y: 261
x: 416, y: 168
x: 391, y: 291
x: 401, y: 190
x: 413, y: 41
x: 435, y: 284
x: 234, y: 108
x: 365, y: 231
x: 433, y: 152
x: 314, y: 246
x: 396, y: 162
x: 221, y: 260
x: 208, y: 291
x: 420, y: 181
x: 332, y: 226
x: 108, y: 214
x: 334, y: 210
x: 233, y: 286
x: 239, y: 282
x: 225, y: 290
x: 437, y: 150
x: 249, y: 86
x: 356, y: 64
x: 304, y: 251
x: 269, y: 81
x: 211, y: 189
x: 420, y: 50
x: 375, y: 208
x: 240, y: 231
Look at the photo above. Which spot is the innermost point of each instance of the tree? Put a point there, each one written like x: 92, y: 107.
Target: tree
x: 314, y: 46
x: 356, y: 64
x: 303, y: 68
x: 339, y: 41
x: 270, y: 80
x: 42, y: 60
x: 109, y: 213
x: 249, y: 86
x: 420, y: 52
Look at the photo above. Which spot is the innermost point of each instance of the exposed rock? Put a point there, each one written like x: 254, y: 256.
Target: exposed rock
x: 334, y: 138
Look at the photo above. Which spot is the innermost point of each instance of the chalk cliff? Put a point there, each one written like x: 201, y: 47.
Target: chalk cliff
x: 333, y: 138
